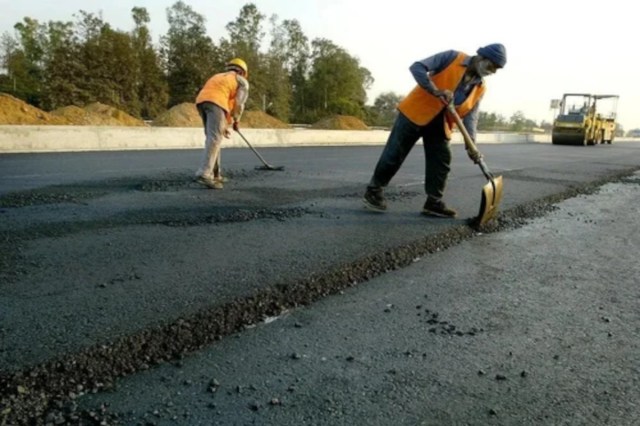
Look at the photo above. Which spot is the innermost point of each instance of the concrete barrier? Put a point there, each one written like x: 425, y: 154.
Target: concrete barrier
x: 16, y: 139
x: 24, y: 139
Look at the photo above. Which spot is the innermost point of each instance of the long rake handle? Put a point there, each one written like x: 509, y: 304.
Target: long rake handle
x: 253, y: 149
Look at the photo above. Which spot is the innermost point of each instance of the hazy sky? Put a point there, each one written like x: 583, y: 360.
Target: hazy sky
x: 553, y: 47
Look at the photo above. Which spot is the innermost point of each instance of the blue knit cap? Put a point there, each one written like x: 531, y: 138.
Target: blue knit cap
x: 495, y: 52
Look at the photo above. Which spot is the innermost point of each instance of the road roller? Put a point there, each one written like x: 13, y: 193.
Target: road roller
x: 585, y: 119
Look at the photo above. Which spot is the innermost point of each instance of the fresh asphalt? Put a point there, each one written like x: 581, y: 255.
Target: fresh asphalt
x: 100, y: 246
x: 536, y: 326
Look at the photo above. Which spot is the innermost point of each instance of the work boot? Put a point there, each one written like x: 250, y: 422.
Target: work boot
x: 434, y: 207
x: 209, y: 182
x: 218, y: 182
x: 374, y: 199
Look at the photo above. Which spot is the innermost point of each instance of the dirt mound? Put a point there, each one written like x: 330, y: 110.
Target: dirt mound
x: 261, y: 120
x: 186, y: 115
x: 181, y: 115
x: 113, y: 116
x: 340, y: 122
x: 81, y: 117
x: 16, y: 111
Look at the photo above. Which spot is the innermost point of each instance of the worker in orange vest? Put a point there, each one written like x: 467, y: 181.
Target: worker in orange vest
x: 220, y: 104
x: 442, y: 78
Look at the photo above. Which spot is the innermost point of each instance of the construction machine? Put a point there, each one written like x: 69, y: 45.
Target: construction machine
x: 585, y: 119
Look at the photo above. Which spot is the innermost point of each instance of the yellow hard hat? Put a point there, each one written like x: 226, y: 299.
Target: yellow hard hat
x: 239, y: 63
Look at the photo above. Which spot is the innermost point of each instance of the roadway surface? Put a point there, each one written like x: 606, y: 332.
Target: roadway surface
x: 115, y: 262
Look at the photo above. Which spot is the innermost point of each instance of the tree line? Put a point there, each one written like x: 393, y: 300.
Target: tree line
x: 297, y: 80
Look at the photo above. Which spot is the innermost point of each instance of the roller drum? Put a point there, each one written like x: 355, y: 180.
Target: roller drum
x: 568, y: 138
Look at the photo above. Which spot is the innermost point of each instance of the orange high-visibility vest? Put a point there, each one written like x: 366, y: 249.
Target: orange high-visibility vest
x: 220, y: 89
x: 420, y: 106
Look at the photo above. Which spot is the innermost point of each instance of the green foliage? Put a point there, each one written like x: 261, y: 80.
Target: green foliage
x: 62, y: 63
x: 384, y: 110
x: 344, y: 106
x: 517, y: 122
x: 245, y: 36
x: 112, y: 71
x: 65, y: 79
x: 296, y: 54
x: 491, y: 121
x: 187, y: 52
x: 336, y: 81
x: 277, y: 96
x: 246, y: 32
x: 294, y: 79
x: 26, y: 63
x: 152, y: 88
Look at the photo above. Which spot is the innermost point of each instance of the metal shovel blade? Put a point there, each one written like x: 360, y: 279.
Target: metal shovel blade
x: 492, y: 191
x: 491, y: 197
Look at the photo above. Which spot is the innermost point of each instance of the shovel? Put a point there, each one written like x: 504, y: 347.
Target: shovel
x: 492, y: 191
x: 266, y: 166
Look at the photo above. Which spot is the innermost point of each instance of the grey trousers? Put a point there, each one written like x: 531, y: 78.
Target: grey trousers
x: 214, y: 123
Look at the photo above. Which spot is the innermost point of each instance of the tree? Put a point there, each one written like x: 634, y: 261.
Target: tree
x: 26, y: 64
x: 245, y: 37
x: 337, y: 84
x: 188, y: 53
x: 66, y: 73
x: 277, y: 97
x: 8, y: 46
x: 491, y: 121
x: 546, y: 126
x: 152, y: 88
x: 105, y: 53
x: 246, y: 32
x: 85, y: 62
x: 384, y: 110
x: 64, y: 63
x: 519, y: 123
x: 295, y: 47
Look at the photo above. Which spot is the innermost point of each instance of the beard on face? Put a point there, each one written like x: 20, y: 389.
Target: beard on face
x: 484, y: 68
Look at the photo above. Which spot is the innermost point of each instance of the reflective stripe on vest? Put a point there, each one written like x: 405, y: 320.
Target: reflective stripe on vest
x: 420, y: 107
x: 220, y: 89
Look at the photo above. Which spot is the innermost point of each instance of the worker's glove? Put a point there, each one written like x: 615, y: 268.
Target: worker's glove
x: 474, y: 155
x: 446, y: 96
x: 227, y: 133
x: 236, y: 126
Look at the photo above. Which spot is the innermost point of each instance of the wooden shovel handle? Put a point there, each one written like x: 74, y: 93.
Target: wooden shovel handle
x: 468, y: 142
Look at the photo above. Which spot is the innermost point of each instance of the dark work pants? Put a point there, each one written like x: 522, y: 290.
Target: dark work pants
x: 402, y: 138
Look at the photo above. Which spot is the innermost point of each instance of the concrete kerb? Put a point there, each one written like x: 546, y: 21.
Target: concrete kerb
x: 34, y: 139
x: 20, y: 139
